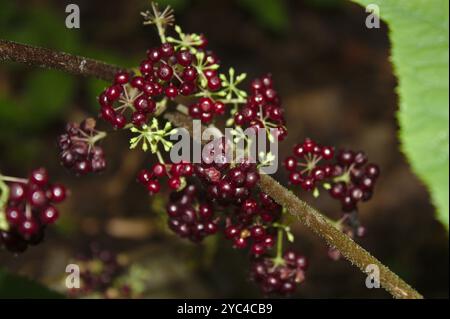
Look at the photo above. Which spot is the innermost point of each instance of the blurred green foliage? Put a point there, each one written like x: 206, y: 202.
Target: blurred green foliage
x: 32, y: 99
x: 13, y: 286
x: 272, y: 14
x: 42, y: 93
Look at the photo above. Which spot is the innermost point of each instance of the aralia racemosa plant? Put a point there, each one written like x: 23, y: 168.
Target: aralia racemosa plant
x: 212, y: 197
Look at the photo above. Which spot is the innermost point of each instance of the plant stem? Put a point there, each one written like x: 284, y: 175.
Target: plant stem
x: 13, y: 179
x: 278, y: 260
x: 97, y: 137
x: 45, y: 58
x: 33, y: 56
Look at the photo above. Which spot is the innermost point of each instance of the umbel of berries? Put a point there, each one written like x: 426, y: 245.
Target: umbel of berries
x: 100, y: 273
x: 175, y: 173
x: 354, y: 179
x: 310, y: 164
x: 78, y: 149
x: 189, y: 217
x: 27, y: 206
x: 263, y: 109
x: 125, y: 101
x: 279, y: 276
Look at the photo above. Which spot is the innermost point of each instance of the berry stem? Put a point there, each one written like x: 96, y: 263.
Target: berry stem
x: 159, y: 23
x: 160, y: 158
x: 28, y: 213
x: 97, y: 137
x: 13, y: 179
x: 278, y: 260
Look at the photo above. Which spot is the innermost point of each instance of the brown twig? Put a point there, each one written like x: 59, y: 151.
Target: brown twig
x: 34, y: 56
x: 45, y: 58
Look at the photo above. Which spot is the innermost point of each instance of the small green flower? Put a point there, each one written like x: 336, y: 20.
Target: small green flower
x: 185, y: 41
x: 152, y: 135
x: 230, y: 91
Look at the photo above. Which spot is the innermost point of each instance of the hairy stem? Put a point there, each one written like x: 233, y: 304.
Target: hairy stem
x: 34, y: 56
x: 45, y: 58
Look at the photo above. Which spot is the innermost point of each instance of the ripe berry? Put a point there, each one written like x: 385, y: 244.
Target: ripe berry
x: 56, y: 193
x: 290, y: 163
x: 17, y: 192
x: 167, y: 50
x: 214, y: 83
x: 121, y: 78
x: 184, y: 58
x: 165, y: 72
x: 171, y: 91
x: 153, y: 187
x: 49, y: 215
x: 28, y: 227
x: 174, y: 183
x: 14, y: 215
x: 159, y: 170
x: 39, y: 177
x: 37, y: 198
x: 189, y: 74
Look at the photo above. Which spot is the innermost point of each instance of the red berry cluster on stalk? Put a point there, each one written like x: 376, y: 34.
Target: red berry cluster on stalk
x: 247, y: 216
x: 30, y: 207
x: 175, y: 173
x: 124, y: 96
x: 263, y: 108
x: 280, y: 278
x: 167, y: 71
x: 354, y: 179
x: 78, y: 151
x: 309, y: 165
x: 189, y: 217
x: 100, y: 269
x: 348, y: 175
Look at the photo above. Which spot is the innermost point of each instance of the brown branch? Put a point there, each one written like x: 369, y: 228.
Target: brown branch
x: 33, y: 56
x: 49, y: 59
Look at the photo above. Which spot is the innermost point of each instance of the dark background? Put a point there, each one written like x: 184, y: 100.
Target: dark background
x: 337, y: 86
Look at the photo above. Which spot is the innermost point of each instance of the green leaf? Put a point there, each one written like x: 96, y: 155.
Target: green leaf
x: 14, y: 286
x: 419, y: 38
x: 272, y: 14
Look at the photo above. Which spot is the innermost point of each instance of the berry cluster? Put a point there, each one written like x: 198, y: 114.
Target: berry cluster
x: 100, y: 269
x: 242, y: 234
x: 348, y: 175
x: 167, y: 71
x: 29, y: 209
x: 228, y: 185
x: 279, y: 276
x: 305, y: 166
x: 263, y: 108
x: 126, y: 94
x: 252, y: 223
x: 354, y: 179
x: 249, y: 217
x: 205, y: 109
x: 175, y: 172
x: 78, y: 151
x: 350, y: 225
x: 190, y: 218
